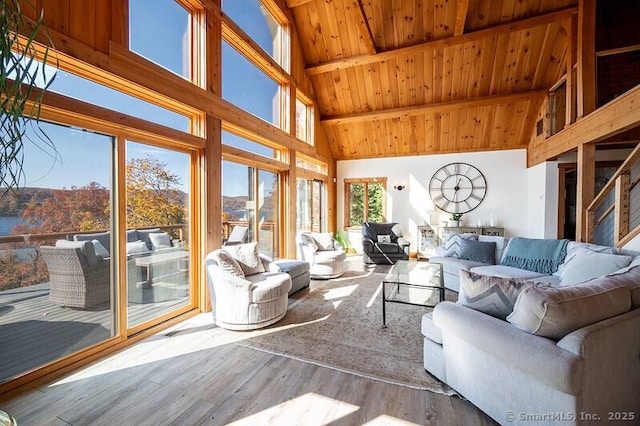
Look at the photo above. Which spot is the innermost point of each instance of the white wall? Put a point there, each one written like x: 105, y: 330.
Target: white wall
x: 542, y: 200
x: 508, y: 191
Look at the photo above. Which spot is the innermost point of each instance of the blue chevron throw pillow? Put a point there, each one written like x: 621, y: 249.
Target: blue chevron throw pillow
x: 452, y: 244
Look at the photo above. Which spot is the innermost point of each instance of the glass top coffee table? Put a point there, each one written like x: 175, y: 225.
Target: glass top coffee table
x: 412, y: 283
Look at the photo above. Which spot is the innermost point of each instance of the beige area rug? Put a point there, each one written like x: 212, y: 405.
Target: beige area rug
x: 338, y: 324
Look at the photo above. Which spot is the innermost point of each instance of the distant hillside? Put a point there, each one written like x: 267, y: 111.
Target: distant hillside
x: 14, y: 202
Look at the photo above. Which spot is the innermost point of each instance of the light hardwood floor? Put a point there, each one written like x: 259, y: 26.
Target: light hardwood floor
x: 196, y: 374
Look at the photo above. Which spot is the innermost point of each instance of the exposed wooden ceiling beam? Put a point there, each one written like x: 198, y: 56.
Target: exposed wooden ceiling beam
x: 431, y: 108
x: 360, y: 17
x: 461, y: 17
x: 296, y: 3
x: 519, y: 25
x: 619, y: 115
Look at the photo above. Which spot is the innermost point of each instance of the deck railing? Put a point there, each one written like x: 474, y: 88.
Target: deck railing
x: 613, y: 218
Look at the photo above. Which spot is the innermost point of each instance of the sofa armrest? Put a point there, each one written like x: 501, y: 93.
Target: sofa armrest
x: 536, y: 356
x: 403, y: 242
x: 440, y: 251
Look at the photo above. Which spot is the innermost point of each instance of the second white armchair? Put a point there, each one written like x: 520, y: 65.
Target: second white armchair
x: 323, y: 253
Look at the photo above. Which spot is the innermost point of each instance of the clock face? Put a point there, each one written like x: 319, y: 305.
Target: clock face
x: 457, y: 188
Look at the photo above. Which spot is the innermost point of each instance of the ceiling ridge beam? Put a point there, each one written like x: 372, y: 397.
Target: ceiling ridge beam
x: 461, y: 17
x: 363, y: 25
x: 295, y: 3
x: 518, y: 25
x: 411, y: 111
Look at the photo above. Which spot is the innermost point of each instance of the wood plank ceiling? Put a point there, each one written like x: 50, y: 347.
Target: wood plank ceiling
x: 412, y: 77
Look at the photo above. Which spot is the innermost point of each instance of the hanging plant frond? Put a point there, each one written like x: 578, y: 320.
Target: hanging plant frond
x: 20, y: 73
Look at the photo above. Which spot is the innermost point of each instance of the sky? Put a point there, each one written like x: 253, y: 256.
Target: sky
x: 159, y: 31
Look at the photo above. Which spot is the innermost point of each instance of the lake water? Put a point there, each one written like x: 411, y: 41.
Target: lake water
x: 7, y: 224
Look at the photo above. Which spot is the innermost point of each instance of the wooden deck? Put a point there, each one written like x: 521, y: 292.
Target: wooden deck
x: 34, y: 331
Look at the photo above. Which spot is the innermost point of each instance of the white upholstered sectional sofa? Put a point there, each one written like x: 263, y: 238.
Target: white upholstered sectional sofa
x: 543, y: 349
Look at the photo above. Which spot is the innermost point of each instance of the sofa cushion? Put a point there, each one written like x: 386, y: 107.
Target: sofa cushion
x: 86, y: 247
x: 99, y: 249
x: 453, y: 265
x: 630, y: 278
x: 573, y: 247
x: 555, y: 312
x: 307, y: 239
x: 143, y: 235
x: 103, y: 237
x: 506, y: 272
x: 137, y: 247
x: 248, y: 256
x: 501, y: 244
x: 478, y: 251
x: 585, y: 265
x: 493, y: 296
x: 389, y: 248
x: 159, y: 240
x: 452, y: 244
x: 430, y: 330
x: 323, y: 240
x: 132, y: 236
x: 227, y: 263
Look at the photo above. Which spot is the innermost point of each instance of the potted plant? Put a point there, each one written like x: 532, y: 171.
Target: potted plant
x: 20, y: 75
x: 454, y: 219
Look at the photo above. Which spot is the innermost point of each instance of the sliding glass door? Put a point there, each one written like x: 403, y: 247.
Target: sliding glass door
x: 157, y: 239
x: 251, y: 207
x: 310, y: 205
x: 56, y: 250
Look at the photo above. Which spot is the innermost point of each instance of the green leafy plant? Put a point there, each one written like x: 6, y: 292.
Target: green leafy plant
x: 20, y: 74
x: 455, y: 217
x: 345, y: 243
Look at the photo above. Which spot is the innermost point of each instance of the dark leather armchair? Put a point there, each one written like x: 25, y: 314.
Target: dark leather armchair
x: 387, y: 249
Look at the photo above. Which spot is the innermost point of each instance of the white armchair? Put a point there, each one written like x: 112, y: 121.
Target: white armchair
x: 323, y: 253
x: 245, y: 296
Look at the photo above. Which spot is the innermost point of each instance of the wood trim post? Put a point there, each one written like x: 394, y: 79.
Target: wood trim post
x: 585, y: 189
x: 571, y: 101
x: 290, y: 210
x: 586, y: 57
x: 622, y: 196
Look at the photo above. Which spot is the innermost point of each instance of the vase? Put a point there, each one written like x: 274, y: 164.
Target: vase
x: 454, y: 223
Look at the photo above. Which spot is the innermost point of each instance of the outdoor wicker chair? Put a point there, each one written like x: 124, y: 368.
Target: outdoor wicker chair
x: 73, y: 282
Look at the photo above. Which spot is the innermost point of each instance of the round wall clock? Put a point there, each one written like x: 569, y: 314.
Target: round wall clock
x: 457, y: 188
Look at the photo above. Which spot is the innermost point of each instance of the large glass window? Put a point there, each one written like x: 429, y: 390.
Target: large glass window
x: 364, y: 201
x: 159, y: 30
x: 246, y: 86
x: 157, y: 247
x: 250, y: 207
x: 310, y: 205
x: 77, y: 87
x: 239, y: 142
x: 56, y: 283
x: 304, y: 121
x: 260, y: 25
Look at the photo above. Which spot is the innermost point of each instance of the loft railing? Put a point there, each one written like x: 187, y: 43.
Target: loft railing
x: 613, y: 218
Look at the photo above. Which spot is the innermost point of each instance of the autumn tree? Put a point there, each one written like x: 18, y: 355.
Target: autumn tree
x: 75, y: 209
x: 153, y: 197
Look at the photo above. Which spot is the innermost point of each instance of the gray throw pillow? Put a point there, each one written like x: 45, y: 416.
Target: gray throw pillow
x: 227, y: 263
x: 323, y: 240
x: 452, y: 244
x: 490, y: 295
x: 248, y: 257
x: 160, y: 240
x: 478, y: 251
x: 100, y: 250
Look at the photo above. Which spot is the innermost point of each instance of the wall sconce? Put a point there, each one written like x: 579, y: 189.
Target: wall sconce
x: 399, y: 187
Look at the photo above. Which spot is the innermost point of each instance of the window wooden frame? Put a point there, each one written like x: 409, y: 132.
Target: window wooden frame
x: 347, y: 199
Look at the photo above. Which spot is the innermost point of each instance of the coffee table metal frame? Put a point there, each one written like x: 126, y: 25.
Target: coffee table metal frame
x: 407, y: 274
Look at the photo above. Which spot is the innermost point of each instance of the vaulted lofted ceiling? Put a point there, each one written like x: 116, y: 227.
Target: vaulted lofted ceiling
x: 411, y: 77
